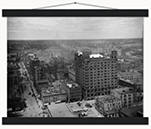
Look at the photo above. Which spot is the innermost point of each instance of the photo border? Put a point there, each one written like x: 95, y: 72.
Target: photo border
x: 75, y: 13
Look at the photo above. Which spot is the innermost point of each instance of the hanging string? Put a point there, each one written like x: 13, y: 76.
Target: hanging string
x: 57, y: 5
x: 92, y: 5
x: 77, y: 3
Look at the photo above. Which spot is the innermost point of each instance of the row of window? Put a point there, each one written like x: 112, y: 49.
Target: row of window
x: 93, y: 81
x: 99, y: 72
x: 112, y: 86
x: 97, y: 94
x: 97, y: 90
x: 100, y: 68
x: 100, y: 63
x: 107, y: 77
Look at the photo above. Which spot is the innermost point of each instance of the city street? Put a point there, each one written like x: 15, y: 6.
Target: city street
x: 33, y: 109
x: 34, y: 105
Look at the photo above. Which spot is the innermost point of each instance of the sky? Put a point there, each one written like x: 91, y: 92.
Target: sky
x: 57, y: 28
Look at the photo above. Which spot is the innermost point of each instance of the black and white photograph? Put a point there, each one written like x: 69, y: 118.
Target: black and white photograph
x: 75, y: 67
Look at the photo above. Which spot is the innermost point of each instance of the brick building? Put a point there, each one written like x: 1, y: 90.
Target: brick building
x: 53, y: 94
x: 126, y: 95
x: 96, y: 73
x: 108, y: 105
x: 133, y: 76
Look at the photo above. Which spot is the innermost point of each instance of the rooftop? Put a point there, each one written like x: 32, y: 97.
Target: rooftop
x: 107, y: 98
x: 132, y: 73
x: 43, y: 85
x: 95, y: 56
x: 73, y: 109
x: 53, y: 90
x: 123, y: 90
x: 91, y: 112
x: 79, y: 53
x: 72, y: 85
x: 60, y: 110
x: 126, y: 80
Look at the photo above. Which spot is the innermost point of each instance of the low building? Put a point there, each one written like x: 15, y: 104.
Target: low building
x: 136, y: 111
x: 81, y: 109
x: 126, y: 83
x: 108, y: 105
x: 126, y: 95
x: 124, y: 66
x: 53, y: 94
x: 60, y: 110
x: 74, y: 92
x: 43, y: 84
x: 133, y: 76
x: 72, y: 110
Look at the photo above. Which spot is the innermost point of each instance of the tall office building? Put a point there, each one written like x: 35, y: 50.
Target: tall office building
x: 96, y: 73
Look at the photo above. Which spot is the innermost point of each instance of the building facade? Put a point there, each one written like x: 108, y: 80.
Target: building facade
x: 53, y: 94
x: 132, y: 76
x: 126, y: 95
x: 74, y: 92
x: 71, y: 74
x: 14, y: 81
x: 96, y: 73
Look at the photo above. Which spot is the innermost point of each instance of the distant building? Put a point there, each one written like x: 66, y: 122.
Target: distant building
x: 40, y: 85
x: 40, y: 74
x: 126, y: 95
x: 96, y: 73
x: 132, y: 76
x: 124, y: 66
x: 14, y: 83
x: 74, y: 92
x: 71, y: 74
x: 12, y: 57
x: 108, y: 105
x: 138, y: 97
x: 32, y: 64
x: 131, y: 79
